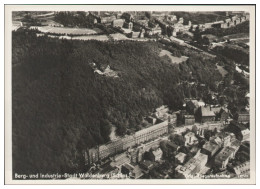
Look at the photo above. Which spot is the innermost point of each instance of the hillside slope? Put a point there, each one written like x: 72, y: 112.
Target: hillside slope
x: 61, y: 107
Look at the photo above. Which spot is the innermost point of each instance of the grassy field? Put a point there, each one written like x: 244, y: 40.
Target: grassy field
x: 69, y: 31
x: 237, y: 35
x: 174, y: 59
x: 222, y: 71
x: 92, y: 37
x: 119, y: 36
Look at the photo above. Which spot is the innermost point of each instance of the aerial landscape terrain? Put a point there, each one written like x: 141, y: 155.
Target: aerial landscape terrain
x: 136, y: 95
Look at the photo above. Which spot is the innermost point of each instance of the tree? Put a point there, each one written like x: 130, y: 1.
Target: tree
x: 149, y: 156
x: 177, y: 139
x: 207, y: 134
x: 184, y: 150
x: 205, y: 40
x: 148, y: 15
x: 197, y: 36
x: 194, y: 129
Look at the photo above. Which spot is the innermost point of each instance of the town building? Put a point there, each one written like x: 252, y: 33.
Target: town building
x: 190, y: 139
x: 91, y: 156
x: 123, y: 143
x: 193, y: 105
x: 151, y: 119
x: 146, y: 165
x: 135, y: 34
x: 127, y: 16
x: 128, y: 141
x: 171, y: 18
x: 151, y: 132
x: 223, y: 115
x: 157, y: 154
x: 92, y: 18
x: 245, y: 149
x: 215, y: 125
x: 200, y: 132
x: 130, y: 25
x: 235, y: 144
x: 172, y: 149
x: 205, y: 114
x: 131, y: 170
x: 120, y: 159
x: 107, y: 169
x: 243, y: 19
x: 16, y: 25
x: 52, y: 24
x: 225, y: 25
x: 243, y: 117
x: 208, y: 25
x: 118, y: 23
x: 246, y: 134
x: 225, y: 138
x: 215, y: 109
x: 133, y: 155
x: 193, y: 166
x: 223, y: 157
x: 107, y: 19
x: 242, y: 169
x: 210, y: 148
x: 189, y: 119
x: 172, y: 119
x: 180, y: 157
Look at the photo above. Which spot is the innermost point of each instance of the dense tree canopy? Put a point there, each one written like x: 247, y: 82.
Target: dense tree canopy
x: 61, y: 107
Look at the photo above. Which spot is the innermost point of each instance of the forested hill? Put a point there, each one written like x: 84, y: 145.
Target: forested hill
x: 61, y: 107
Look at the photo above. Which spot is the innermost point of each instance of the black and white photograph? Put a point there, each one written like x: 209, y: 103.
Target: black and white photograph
x: 130, y: 94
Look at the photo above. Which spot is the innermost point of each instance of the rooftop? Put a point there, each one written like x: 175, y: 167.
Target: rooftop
x: 205, y: 111
x: 180, y: 156
x: 225, y: 153
x: 211, y: 147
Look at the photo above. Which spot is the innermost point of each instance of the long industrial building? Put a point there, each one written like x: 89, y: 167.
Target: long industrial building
x: 100, y: 152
